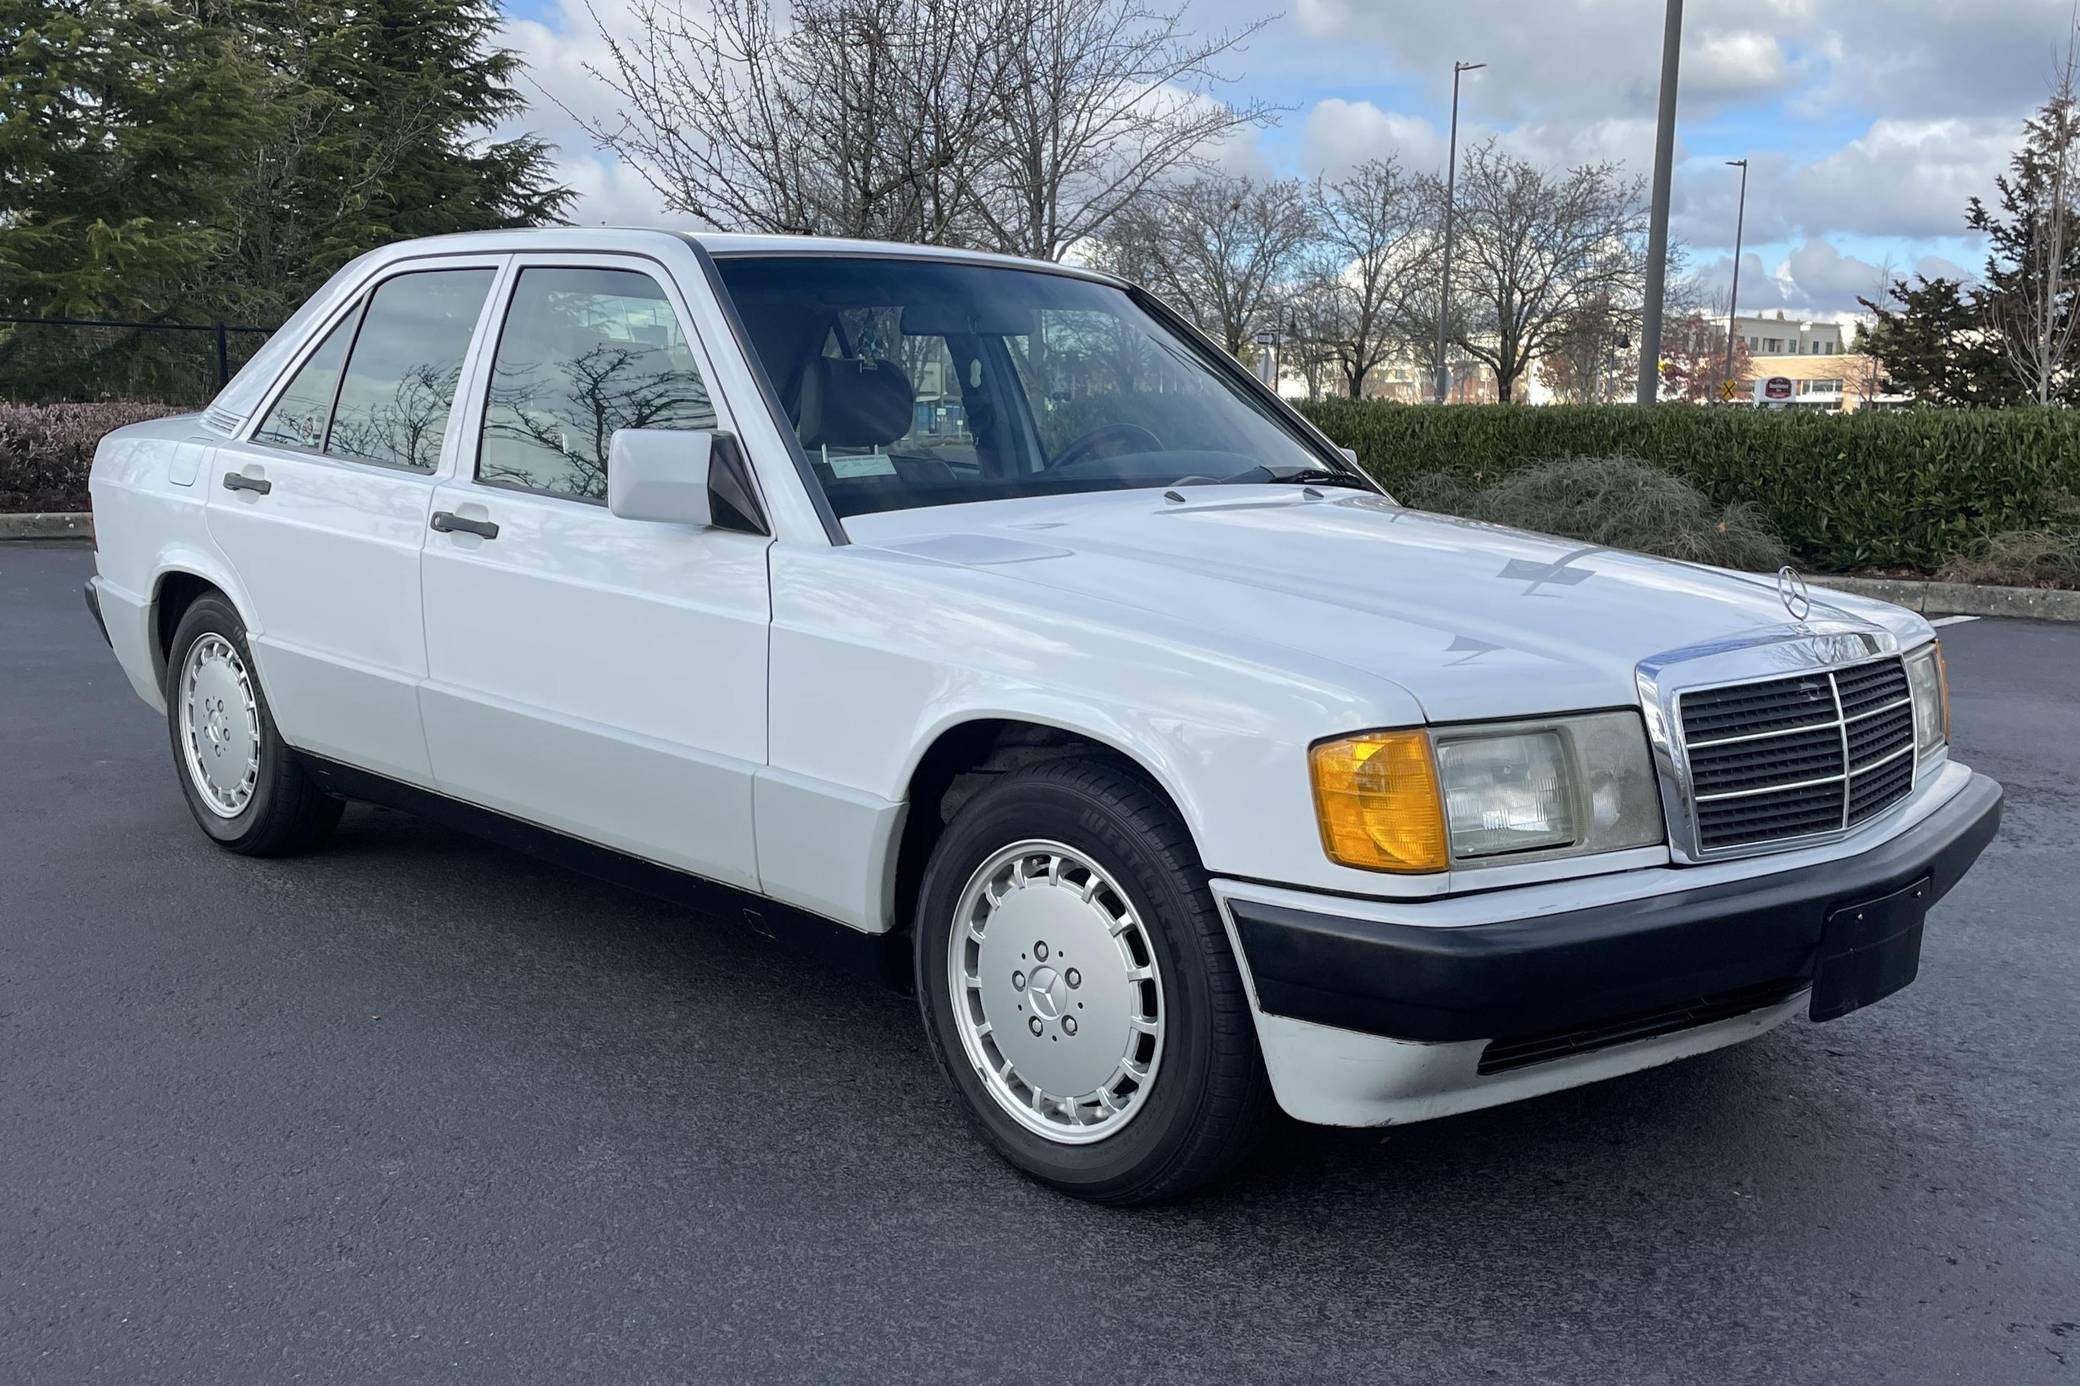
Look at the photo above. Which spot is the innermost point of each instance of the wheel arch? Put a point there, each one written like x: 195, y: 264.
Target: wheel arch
x: 179, y: 581
x: 955, y: 761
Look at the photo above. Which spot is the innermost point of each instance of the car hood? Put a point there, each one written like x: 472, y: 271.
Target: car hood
x: 1473, y: 620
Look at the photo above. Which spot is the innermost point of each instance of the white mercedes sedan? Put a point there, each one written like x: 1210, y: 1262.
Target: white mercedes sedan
x: 980, y: 614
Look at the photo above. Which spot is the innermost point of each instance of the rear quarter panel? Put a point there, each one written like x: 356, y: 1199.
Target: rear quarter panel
x: 148, y: 522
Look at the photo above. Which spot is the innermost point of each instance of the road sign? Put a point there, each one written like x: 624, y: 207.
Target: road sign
x: 1728, y: 389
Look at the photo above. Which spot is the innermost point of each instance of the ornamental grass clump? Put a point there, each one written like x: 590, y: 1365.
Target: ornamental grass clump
x: 1613, y: 502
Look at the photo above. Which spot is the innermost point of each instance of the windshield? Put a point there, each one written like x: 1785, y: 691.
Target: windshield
x: 919, y: 382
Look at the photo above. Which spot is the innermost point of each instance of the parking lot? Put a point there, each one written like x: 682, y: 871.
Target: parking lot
x: 419, y: 1109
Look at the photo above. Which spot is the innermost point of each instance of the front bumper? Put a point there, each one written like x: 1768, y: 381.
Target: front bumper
x: 1565, y: 996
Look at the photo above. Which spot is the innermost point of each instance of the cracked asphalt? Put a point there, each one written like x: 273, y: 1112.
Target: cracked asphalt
x: 420, y: 1109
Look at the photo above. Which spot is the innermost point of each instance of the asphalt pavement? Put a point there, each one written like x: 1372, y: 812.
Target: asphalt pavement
x: 421, y: 1109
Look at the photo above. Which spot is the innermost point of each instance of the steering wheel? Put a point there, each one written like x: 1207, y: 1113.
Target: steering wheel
x: 1085, y: 444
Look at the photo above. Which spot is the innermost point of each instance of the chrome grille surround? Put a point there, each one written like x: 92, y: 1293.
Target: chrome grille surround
x: 1787, y: 737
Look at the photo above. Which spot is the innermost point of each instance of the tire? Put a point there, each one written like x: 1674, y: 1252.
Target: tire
x: 1023, y: 857
x: 242, y: 782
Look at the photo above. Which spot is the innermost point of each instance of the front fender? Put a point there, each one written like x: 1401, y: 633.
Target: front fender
x: 875, y: 656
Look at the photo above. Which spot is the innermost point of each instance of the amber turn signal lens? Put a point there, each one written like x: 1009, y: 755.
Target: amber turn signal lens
x: 1376, y: 798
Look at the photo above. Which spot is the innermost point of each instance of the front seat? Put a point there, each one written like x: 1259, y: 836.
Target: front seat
x: 853, y: 402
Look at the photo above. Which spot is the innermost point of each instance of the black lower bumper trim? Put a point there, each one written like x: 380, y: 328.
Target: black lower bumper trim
x: 1558, y: 972
x: 1521, y: 1051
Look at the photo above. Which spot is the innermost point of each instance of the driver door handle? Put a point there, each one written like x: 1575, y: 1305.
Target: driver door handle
x: 239, y: 481
x: 448, y: 522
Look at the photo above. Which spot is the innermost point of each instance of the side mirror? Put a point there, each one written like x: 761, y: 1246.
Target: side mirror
x: 662, y: 474
x: 1350, y: 455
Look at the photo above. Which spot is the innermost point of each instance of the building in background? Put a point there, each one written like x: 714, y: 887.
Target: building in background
x: 1817, y: 356
x: 1778, y: 335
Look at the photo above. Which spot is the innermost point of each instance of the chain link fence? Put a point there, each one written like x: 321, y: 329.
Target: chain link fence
x: 78, y: 360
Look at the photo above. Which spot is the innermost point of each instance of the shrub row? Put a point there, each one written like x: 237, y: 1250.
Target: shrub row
x: 1910, y: 490
x: 45, y: 450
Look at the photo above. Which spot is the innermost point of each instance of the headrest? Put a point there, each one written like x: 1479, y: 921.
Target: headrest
x: 853, y: 402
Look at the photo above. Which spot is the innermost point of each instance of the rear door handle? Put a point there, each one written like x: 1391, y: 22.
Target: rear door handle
x: 239, y: 481
x: 448, y: 522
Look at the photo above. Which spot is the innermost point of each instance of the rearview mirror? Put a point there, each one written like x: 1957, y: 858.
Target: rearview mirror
x: 991, y: 319
x: 661, y: 474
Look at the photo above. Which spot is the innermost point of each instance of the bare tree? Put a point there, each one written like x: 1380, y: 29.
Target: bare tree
x: 1218, y: 248
x: 1371, y: 262
x: 1534, y: 246
x: 1868, y: 376
x: 1103, y: 100
x: 2036, y: 317
x: 1306, y: 321
x: 1580, y: 362
x: 1693, y: 356
x: 854, y: 117
x: 1019, y: 125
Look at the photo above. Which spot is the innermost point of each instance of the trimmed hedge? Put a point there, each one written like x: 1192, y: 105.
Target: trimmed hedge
x: 1907, y: 489
x: 45, y: 450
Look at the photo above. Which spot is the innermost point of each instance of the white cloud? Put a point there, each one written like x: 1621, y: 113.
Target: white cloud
x: 561, y: 93
x: 1338, y: 135
x: 1816, y: 279
x: 1571, y: 57
x: 1933, y: 92
x: 1906, y: 177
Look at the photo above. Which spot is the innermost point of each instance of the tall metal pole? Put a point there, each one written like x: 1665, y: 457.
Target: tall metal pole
x: 1733, y: 295
x: 1657, y: 225
x: 1451, y: 188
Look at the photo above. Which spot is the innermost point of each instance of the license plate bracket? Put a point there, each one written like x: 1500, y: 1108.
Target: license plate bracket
x: 1868, y: 951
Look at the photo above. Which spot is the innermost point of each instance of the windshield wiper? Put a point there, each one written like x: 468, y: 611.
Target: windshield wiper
x: 1287, y: 472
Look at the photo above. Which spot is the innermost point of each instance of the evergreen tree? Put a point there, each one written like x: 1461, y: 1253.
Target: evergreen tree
x: 2033, y: 255
x: 1996, y: 341
x: 1932, y: 339
x: 123, y: 127
x: 381, y: 110
x: 207, y: 159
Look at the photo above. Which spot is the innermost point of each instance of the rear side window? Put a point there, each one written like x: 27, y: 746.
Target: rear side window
x: 584, y: 352
x: 298, y: 417
x: 401, y: 377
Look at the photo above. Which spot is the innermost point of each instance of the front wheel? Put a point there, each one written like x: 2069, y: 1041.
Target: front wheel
x: 1078, y: 987
x: 241, y: 780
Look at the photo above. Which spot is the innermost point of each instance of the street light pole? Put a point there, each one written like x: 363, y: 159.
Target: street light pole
x: 1657, y: 224
x: 1451, y: 187
x: 1733, y: 295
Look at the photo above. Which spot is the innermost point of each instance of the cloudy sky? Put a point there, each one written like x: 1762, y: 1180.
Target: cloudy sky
x: 1867, y: 123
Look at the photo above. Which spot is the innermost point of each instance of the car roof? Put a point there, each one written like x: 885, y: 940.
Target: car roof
x: 717, y: 243
x: 236, y: 401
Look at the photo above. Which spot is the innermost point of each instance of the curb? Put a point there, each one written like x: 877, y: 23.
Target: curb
x: 1960, y: 598
x: 48, y: 524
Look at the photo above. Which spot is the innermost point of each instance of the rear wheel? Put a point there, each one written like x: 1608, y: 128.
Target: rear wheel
x: 1078, y: 987
x: 242, y: 782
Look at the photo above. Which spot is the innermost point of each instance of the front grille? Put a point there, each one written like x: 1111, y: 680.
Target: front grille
x: 1793, y: 757
x: 1521, y: 1051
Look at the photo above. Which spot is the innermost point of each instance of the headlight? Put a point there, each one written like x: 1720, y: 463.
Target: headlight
x: 1414, y: 801
x: 1930, y: 684
x: 1506, y: 793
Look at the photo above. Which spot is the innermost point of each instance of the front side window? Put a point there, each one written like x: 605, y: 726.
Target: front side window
x: 919, y: 382
x: 401, y: 377
x: 584, y: 352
